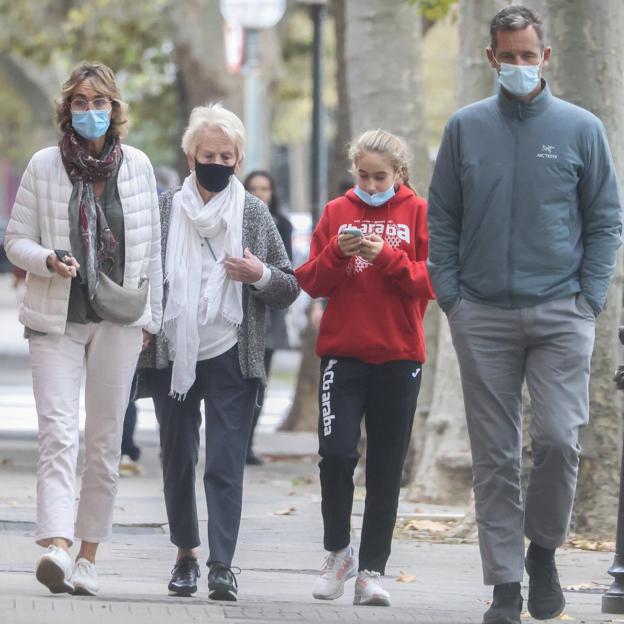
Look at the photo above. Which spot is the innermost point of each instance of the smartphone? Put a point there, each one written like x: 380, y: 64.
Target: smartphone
x: 61, y: 253
x: 353, y: 231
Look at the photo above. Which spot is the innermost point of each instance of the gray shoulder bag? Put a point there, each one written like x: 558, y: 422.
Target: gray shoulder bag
x: 117, y: 304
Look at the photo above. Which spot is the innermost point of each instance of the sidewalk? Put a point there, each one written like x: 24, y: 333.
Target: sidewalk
x: 279, y: 552
x: 280, y: 545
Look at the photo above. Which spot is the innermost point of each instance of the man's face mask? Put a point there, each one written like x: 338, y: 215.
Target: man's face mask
x: 519, y: 80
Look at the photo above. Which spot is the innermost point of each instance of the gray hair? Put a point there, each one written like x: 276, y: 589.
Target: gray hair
x: 516, y: 17
x: 214, y: 116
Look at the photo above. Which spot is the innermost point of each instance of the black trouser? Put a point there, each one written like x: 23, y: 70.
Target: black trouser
x: 128, y: 447
x: 228, y: 403
x: 268, y: 359
x: 385, y: 394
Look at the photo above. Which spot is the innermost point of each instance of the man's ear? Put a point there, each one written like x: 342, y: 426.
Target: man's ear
x: 546, y: 54
x: 491, y: 58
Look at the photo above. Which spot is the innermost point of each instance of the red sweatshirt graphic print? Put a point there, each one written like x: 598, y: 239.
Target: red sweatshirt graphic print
x: 374, y: 311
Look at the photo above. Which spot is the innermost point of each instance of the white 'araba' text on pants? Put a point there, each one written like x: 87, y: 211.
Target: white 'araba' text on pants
x: 110, y: 353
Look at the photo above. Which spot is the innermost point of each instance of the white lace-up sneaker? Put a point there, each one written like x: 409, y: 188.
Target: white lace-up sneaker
x: 54, y: 570
x: 338, y: 567
x: 85, y: 578
x: 368, y: 590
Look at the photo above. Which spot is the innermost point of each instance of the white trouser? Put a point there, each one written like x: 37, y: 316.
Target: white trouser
x: 110, y: 353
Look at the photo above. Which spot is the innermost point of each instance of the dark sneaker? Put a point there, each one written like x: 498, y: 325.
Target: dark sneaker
x: 222, y: 583
x: 184, y: 577
x: 506, y: 606
x: 252, y: 459
x: 546, y: 599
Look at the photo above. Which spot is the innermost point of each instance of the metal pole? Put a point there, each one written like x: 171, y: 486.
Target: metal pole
x: 613, y: 598
x: 319, y: 143
x: 253, y: 100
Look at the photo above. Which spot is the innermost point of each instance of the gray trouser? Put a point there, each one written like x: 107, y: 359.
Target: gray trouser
x: 549, y: 345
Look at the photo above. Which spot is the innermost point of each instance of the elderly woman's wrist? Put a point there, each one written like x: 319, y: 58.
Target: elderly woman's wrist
x: 264, y: 280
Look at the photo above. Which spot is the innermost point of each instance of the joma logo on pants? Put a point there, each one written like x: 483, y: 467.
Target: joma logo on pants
x: 328, y: 380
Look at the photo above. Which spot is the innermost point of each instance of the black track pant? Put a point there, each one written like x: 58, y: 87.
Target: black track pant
x: 385, y: 394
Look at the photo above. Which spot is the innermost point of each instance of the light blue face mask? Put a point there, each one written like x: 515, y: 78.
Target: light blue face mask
x: 91, y: 124
x: 377, y: 199
x: 519, y: 80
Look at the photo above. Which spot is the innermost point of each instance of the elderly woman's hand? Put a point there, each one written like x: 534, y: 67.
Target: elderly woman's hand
x: 247, y: 269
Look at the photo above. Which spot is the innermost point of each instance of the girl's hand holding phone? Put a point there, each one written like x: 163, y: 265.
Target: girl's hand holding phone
x: 350, y: 240
x: 371, y: 247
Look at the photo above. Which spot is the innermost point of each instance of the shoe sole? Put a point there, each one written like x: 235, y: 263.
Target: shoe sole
x: 548, y: 616
x: 52, y: 576
x: 337, y: 594
x: 373, y: 601
x: 220, y: 593
x: 185, y: 593
x: 82, y: 590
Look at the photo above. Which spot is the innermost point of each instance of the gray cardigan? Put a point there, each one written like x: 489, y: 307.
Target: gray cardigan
x: 263, y: 240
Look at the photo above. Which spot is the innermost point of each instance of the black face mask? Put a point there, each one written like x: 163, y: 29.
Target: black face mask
x: 214, y: 178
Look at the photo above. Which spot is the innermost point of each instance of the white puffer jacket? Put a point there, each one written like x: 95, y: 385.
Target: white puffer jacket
x: 40, y: 223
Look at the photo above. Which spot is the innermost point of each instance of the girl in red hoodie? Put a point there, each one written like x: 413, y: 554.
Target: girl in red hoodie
x: 368, y: 258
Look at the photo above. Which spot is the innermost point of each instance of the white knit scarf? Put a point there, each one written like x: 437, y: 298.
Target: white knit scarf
x: 192, y: 221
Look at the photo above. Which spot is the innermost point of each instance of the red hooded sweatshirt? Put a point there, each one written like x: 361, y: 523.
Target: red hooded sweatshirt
x: 375, y: 311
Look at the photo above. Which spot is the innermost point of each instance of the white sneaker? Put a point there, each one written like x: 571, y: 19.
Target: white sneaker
x: 54, y: 570
x: 368, y: 590
x: 85, y: 578
x: 338, y: 567
x: 129, y: 468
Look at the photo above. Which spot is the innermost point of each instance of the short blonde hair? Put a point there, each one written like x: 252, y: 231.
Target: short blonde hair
x: 385, y: 143
x: 214, y: 116
x: 104, y: 82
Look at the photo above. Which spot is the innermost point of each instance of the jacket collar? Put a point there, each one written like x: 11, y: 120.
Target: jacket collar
x: 517, y: 109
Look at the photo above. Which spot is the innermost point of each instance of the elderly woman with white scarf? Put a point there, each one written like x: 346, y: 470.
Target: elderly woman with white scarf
x: 224, y: 263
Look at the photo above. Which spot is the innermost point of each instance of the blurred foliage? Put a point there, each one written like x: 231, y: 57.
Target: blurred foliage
x: 434, y: 10
x: 46, y: 38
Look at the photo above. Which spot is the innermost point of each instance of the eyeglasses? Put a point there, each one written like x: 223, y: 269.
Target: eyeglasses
x: 82, y: 104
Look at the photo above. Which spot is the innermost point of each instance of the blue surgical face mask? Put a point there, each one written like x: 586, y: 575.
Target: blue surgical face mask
x: 519, y: 80
x: 91, y: 124
x: 377, y: 199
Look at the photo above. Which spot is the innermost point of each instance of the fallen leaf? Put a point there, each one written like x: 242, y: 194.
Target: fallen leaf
x: 405, y: 578
x: 565, y: 618
x: 285, y: 512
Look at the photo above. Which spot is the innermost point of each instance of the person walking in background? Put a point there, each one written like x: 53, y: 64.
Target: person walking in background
x: 85, y: 226
x: 367, y: 258
x: 224, y: 264
x: 262, y: 185
x: 525, y: 222
x: 166, y: 178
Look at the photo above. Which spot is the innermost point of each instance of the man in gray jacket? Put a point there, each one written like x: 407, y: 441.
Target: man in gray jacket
x: 525, y: 224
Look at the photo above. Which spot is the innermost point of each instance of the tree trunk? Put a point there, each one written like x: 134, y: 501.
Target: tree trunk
x: 384, y: 87
x: 443, y: 472
x: 587, y: 69
x: 304, y: 413
x: 339, y: 168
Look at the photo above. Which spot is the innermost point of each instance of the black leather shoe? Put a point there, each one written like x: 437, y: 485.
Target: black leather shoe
x: 252, y: 459
x: 222, y: 583
x: 546, y: 599
x: 506, y: 606
x: 184, y: 577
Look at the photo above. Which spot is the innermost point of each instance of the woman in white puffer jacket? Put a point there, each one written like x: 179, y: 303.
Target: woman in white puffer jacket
x: 85, y: 226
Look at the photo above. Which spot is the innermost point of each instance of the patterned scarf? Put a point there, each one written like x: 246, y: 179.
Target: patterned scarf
x: 98, y: 243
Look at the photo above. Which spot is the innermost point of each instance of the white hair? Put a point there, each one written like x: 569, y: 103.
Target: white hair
x: 214, y: 116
